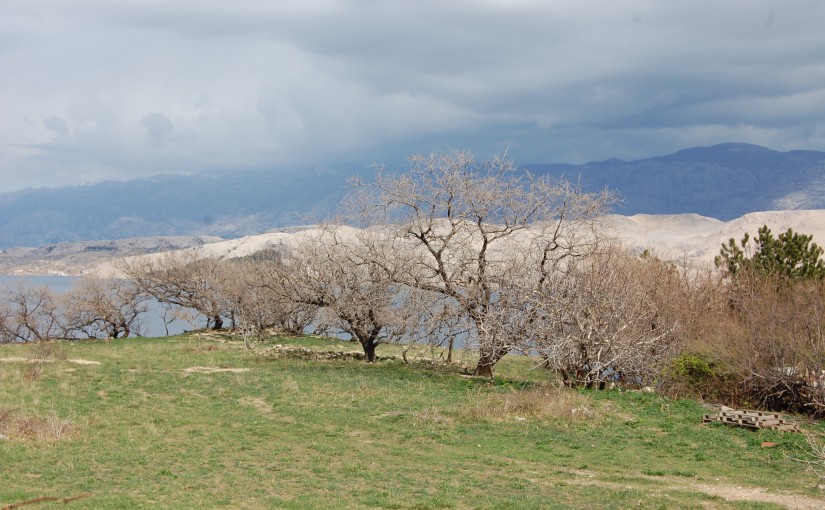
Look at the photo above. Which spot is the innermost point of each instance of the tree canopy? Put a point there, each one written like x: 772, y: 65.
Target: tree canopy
x: 792, y: 255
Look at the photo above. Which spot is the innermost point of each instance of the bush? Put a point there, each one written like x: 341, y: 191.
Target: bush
x: 695, y: 368
x: 702, y: 375
x: 762, y: 344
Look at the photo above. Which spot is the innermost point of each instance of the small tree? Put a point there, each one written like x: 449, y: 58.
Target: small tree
x: 607, y: 317
x: 792, y: 256
x: 327, y: 270
x: 183, y: 280
x: 259, y: 299
x: 105, y: 307
x: 30, y: 313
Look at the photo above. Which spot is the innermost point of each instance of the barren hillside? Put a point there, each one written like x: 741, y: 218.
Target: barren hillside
x: 677, y: 236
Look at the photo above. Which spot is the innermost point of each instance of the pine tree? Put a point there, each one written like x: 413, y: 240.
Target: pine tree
x: 791, y: 256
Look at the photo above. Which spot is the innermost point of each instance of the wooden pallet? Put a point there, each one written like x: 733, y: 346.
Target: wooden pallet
x: 751, y: 419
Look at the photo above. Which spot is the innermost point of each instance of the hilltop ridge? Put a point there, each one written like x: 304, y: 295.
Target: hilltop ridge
x: 723, y: 181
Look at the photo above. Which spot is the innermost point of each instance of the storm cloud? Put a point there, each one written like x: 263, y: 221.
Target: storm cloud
x: 94, y: 89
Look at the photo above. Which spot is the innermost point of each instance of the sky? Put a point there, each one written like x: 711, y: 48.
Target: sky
x: 95, y: 90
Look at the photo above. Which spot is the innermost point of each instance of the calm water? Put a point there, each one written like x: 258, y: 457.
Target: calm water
x: 151, y: 322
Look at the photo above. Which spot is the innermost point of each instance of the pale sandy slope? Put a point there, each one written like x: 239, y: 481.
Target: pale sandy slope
x: 698, y: 238
x: 680, y: 236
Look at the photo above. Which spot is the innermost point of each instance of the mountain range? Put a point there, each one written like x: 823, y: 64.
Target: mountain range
x: 722, y: 181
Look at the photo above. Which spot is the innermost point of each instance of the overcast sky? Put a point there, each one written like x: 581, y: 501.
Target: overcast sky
x: 117, y: 89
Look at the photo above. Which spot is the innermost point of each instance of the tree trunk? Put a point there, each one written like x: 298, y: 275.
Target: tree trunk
x: 369, y: 351
x: 484, y: 368
x: 488, y: 359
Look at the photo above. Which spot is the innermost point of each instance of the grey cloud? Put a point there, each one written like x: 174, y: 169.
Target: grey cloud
x: 296, y: 83
x: 158, y: 128
x: 56, y: 125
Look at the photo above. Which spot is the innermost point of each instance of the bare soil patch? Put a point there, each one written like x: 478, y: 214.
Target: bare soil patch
x: 258, y: 403
x: 209, y: 370
x: 18, y: 359
x: 734, y: 493
x: 720, y: 489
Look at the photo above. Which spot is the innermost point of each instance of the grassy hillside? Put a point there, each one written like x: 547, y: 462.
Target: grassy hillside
x: 139, y: 430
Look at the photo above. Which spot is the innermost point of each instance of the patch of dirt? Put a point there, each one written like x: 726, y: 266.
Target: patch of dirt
x: 258, y: 403
x: 209, y: 370
x: 18, y: 359
x: 733, y: 493
x: 719, y: 489
x: 84, y: 362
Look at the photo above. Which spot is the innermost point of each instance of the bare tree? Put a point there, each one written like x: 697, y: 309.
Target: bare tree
x: 183, y: 280
x: 329, y: 270
x: 607, y: 317
x: 105, y: 307
x: 454, y: 222
x: 260, y: 300
x: 30, y: 313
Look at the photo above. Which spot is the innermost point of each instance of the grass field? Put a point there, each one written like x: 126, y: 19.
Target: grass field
x: 139, y: 430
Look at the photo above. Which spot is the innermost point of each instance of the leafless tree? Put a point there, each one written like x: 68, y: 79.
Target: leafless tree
x: 607, y: 317
x: 454, y: 222
x: 183, y: 280
x: 329, y: 270
x: 29, y: 313
x: 105, y: 307
x: 260, y: 300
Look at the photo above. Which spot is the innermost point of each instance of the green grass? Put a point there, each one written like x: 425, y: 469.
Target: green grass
x: 137, y: 431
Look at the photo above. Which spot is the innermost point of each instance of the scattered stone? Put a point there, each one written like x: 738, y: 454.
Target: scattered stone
x: 286, y: 351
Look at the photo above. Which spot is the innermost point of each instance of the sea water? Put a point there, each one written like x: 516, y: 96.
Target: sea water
x: 152, y: 322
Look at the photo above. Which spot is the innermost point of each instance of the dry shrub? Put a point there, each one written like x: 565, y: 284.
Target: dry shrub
x: 20, y: 426
x: 33, y: 371
x: 780, y: 349
x: 48, y: 351
x: 542, y: 402
x: 430, y: 416
x: 813, y: 455
x: 42, y: 352
x: 612, y: 317
x: 5, y: 415
x: 758, y: 341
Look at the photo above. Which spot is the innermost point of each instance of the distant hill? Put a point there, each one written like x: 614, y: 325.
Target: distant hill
x: 76, y: 258
x: 219, y: 204
x: 724, y: 181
